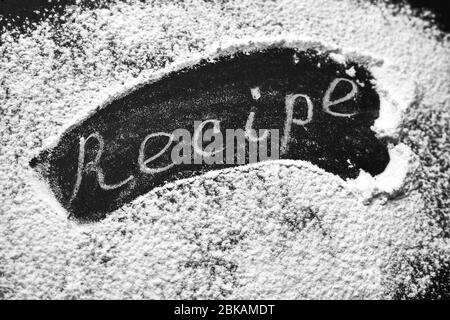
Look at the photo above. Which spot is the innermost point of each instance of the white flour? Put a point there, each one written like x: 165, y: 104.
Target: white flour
x: 181, y: 241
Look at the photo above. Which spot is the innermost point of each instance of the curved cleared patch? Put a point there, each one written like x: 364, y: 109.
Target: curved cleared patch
x: 315, y: 108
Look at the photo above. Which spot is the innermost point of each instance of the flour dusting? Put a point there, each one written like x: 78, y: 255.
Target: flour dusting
x: 280, y: 229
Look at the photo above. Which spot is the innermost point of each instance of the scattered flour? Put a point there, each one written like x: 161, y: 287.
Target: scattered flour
x: 282, y: 229
x: 351, y: 72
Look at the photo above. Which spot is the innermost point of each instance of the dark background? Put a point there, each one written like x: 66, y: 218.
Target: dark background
x: 18, y: 12
x: 218, y: 90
